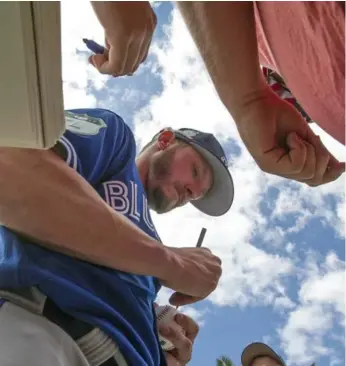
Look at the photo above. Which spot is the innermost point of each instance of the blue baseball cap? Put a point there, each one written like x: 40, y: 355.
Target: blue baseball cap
x: 219, y: 198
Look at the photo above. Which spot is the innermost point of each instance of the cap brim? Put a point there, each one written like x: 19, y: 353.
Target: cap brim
x: 259, y: 349
x: 219, y: 199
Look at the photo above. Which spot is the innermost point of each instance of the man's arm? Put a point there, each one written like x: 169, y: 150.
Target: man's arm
x: 43, y: 198
x: 276, y: 135
x: 225, y: 35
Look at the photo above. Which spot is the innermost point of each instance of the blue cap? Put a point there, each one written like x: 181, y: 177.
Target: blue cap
x: 219, y: 198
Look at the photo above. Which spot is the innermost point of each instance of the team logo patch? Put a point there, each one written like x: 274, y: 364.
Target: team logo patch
x: 190, y: 133
x: 83, y: 124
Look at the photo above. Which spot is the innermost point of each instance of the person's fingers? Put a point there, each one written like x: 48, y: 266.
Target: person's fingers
x: 309, y: 170
x: 297, y: 154
x: 97, y: 60
x: 322, y: 162
x: 179, y: 299
x: 171, y: 360
x: 134, y: 57
x: 182, y: 344
x: 328, y: 168
x: 189, y: 325
x: 138, y: 59
x: 288, y: 161
x: 114, y: 63
x: 146, y: 51
x: 333, y: 172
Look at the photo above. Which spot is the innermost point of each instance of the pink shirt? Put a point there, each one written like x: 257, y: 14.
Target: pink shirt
x: 305, y: 43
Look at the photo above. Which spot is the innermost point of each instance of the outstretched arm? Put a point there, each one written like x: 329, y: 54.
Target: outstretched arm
x: 43, y: 198
x: 225, y: 35
x: 276, y: 135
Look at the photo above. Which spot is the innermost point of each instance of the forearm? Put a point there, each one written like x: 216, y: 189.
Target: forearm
x: 107, y: 11
x: 42, y: 198
x: 225, y: 35
x: 104, y: 12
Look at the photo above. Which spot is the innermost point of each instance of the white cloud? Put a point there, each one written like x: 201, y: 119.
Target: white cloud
x: 78, y: 21
x: 321, y: 306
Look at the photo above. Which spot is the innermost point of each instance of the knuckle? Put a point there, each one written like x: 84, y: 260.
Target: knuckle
x: 218, y: 260
x: 116, y: 67
x: 308, y: 174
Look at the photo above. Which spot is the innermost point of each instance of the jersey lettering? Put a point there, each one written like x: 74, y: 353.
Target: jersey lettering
x: 117, y: 196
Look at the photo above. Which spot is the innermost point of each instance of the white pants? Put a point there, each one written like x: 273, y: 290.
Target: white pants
x: 27, y: 339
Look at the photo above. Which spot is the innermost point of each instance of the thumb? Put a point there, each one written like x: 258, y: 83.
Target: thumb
x: 98, y: 61
x: 334, y: 171
x: 295, y: 160
x: 179, y: 299
x: 294, y: 141
x: 340, y: 167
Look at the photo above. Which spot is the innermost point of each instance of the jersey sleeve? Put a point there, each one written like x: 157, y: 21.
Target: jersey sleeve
x: 96, y: 141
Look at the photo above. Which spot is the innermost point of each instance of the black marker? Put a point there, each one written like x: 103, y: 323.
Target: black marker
x: 201, y: 237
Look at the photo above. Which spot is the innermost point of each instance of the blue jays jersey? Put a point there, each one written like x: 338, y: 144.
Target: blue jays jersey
x: 101, y: 148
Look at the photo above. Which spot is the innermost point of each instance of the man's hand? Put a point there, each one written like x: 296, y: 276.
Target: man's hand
x: 183, y: 344
x: 278, y: 138
x: 282, y: 142
x: 129, y: 27
x: 194, y: 275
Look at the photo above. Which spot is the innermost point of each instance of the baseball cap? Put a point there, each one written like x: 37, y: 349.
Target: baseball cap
x: 219, y: 198
x: 258, y: 349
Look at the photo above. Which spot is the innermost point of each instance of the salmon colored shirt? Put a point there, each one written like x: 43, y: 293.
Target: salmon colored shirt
x: 305, y: 43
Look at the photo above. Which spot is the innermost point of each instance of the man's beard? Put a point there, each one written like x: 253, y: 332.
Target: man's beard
x: 159, y: 171
x: 158, y: 201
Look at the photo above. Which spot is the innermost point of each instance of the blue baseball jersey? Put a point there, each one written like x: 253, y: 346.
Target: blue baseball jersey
x: 101, y: 148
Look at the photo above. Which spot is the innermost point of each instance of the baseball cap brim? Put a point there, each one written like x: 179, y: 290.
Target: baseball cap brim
x: 259, y: 349
x: 220, y: 197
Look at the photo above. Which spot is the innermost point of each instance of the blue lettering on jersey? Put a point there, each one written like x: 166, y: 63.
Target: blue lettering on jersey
x: 100, y: 147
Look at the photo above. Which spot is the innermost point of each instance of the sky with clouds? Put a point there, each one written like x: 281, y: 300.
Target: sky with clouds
x: 282, y: 243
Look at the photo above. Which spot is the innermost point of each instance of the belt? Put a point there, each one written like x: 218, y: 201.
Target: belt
x: 98, y: 348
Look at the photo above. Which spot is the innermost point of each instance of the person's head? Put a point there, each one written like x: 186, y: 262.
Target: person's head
x: 185, y: 165
x: 260, y: 354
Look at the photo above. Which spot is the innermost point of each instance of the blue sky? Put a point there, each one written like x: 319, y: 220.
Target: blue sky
x: 282, y: 244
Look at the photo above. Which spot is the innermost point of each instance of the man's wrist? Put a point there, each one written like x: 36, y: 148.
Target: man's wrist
x: 240, y: 106
x: 163, y: 262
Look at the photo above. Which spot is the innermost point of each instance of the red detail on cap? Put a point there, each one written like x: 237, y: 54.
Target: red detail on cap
x: 167, y: 135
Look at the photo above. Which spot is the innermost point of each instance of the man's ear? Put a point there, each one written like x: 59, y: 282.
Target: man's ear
x: 166, y: 138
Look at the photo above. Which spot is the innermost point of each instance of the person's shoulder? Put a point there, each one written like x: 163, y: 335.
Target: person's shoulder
x: 91, y: 120
x: 96, y: 140
x: 99, y: 121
